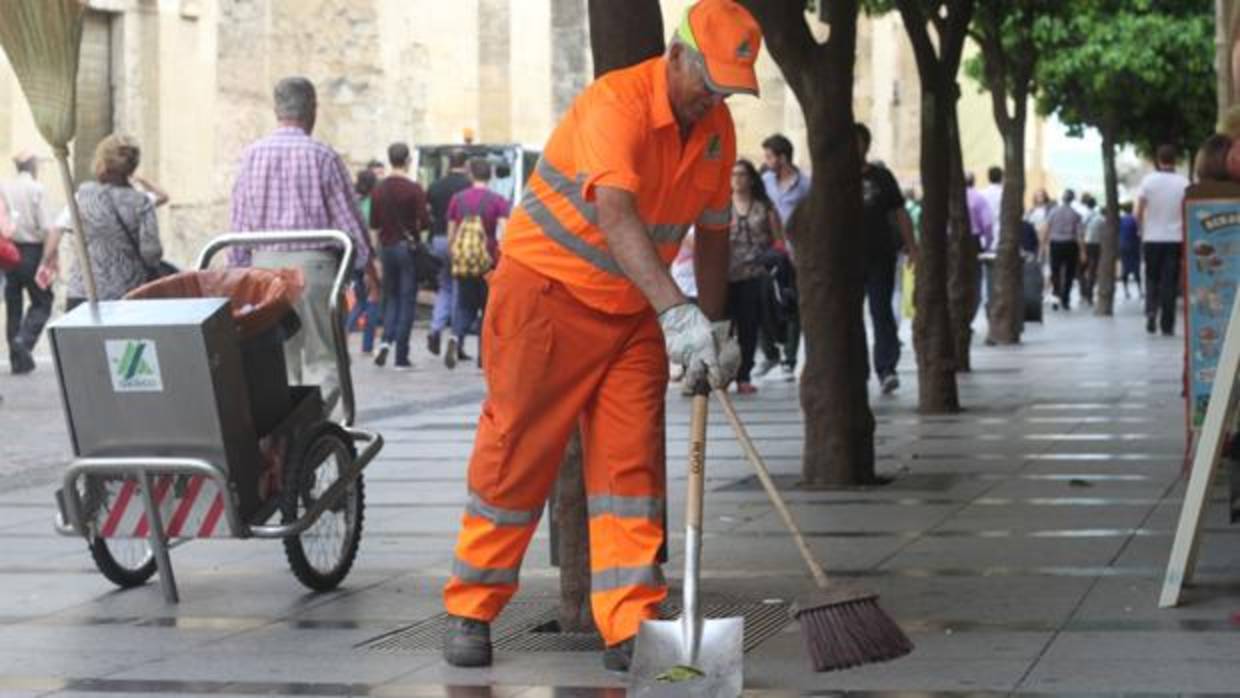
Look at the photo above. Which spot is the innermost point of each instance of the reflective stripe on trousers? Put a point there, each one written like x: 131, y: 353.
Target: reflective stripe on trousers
x: 555, y: 365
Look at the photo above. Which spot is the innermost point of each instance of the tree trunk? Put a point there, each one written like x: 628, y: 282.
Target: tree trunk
x: 572, y: 520
x: 1105, y: 286
x: 962, y: 271
x: 622, y: 33
x: 839, y: 426
x: 932, y: 331
x: 938, y: 62
x: 1007, y: 307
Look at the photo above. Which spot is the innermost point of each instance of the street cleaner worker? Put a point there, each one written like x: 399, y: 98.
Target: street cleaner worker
x: 583, y: 317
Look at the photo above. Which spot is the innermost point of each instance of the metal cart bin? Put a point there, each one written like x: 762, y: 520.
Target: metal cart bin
x: 160, y: 378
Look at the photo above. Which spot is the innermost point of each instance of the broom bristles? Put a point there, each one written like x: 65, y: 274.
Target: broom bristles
x: 850, y: 634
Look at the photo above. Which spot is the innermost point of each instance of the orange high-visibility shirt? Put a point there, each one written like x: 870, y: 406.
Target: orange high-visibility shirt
x: 620, y: 132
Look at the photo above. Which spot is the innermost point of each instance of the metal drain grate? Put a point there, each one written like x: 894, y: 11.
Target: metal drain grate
x: 426, y: 635
x: 531, y: 626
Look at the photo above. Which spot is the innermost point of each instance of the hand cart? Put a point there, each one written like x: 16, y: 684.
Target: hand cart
x: 175, y: 438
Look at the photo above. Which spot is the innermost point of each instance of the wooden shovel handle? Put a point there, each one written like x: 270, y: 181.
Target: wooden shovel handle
x: 697, y: 459
x: 764, y: 474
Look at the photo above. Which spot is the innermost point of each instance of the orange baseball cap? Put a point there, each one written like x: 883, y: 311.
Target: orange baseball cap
x: 729, y: 39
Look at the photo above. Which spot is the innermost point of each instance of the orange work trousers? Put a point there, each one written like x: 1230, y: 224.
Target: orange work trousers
x: 552, y: 364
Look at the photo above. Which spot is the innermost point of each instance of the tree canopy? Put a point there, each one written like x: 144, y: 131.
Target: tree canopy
x: 1142, y: 69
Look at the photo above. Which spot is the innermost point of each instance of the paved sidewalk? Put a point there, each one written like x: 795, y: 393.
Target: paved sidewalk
x: 1021, y: 546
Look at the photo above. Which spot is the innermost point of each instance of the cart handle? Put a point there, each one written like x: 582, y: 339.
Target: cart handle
x: 329, y: 237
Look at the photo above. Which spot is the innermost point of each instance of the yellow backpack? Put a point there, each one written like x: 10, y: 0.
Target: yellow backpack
x: 469, y: 254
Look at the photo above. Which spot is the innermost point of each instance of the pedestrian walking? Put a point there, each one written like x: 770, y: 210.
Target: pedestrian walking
x: 478, y: 213
x: 584, y: 316
x: 1129, y: 248
x: 786, y: 186
x: 366, y: 306
x: 1064, y: 233
x: 1094, y: 225
x: 982, y: 229
x: 887, y: 230
x: 993, y: 194
x: 122, y: 231
x: 289, y: 181
x: 755, y: 227
x: 38, y: 241
x: 1160, y: 204
x: 398, y: 211
x: 440, y: 195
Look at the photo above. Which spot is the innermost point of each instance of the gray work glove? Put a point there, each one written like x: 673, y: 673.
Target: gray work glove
x: 704, y: 349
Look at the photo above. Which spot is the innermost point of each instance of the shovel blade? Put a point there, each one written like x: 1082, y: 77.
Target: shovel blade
x: 661, y: 646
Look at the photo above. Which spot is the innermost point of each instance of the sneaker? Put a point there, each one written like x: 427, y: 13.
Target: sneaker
x: 790, y: 372
x: 432, y: 343
x: 467, y: 642
x: 764, y: 368
x: 403, y: 366
x: 451, y: 354
x: 746, y: 388
x: 890, y: 383
x: 618, y: 657
x: 382, y: 354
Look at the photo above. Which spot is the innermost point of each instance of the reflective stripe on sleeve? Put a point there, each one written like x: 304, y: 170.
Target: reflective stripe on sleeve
x: 718, y: 217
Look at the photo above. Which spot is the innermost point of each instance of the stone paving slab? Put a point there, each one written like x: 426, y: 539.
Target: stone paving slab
x: 1009, y: 576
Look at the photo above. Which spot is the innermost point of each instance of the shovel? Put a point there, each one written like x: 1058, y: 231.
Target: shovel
x: 690, y: 656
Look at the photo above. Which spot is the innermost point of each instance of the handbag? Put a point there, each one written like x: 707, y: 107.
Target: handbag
x: 161, y: 268
x: 10, y: 255
x: 425, y: 265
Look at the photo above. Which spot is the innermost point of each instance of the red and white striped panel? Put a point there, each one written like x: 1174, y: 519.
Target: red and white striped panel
x: 197, y: 513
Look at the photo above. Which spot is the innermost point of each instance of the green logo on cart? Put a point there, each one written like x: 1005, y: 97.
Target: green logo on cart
x: 133, y: 365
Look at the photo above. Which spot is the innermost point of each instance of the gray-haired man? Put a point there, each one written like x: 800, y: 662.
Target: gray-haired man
x: 289, y: 181
x: 38, y: 241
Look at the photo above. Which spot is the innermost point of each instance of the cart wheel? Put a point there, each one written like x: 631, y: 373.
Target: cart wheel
x: 321, y: 556
x: 126, y: 562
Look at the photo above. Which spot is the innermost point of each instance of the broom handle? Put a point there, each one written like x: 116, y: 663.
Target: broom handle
x: 79, y: 237
x: 764, y: 474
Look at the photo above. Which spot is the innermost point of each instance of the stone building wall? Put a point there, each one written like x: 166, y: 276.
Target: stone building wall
x: 192, y: 80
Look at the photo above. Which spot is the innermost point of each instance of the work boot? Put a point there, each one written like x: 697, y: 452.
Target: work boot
x: 467, y: 642
x: 618, y: 657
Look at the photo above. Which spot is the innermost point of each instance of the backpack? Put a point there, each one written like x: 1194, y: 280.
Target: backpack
x: 469, y: 254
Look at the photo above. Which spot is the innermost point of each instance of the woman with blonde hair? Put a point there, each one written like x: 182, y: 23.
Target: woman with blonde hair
x: 122, y: 232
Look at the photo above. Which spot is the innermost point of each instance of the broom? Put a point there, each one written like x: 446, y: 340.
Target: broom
x: 42, y: 40
x: 842, y: 626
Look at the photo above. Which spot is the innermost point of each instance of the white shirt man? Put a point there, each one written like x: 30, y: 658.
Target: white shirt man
x: 1160, y: 206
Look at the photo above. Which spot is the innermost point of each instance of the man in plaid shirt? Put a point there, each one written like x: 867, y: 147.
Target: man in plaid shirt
x: 289, y: 181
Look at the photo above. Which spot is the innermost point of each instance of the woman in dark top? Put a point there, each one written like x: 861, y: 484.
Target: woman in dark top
x: 122, y: 232
x: 754, y: 229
